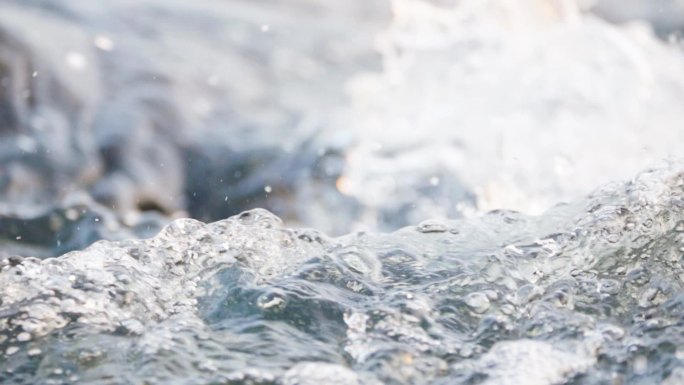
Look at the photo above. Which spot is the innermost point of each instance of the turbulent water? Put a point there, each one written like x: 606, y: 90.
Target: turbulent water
x: 351, y: 117
x: 588, y: 293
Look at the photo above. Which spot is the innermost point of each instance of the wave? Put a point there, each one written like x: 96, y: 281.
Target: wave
x: 586, y: 293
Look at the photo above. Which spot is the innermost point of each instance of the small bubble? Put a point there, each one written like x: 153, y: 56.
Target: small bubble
x: 478, y: 302
x: 265, y: 28
x: 614, y: 237
x: 34, y: 74
x: 432, y: 226
x: 609, y: 286
x: 268, y: 189
x: 18, y: 238
x: 434, y: 181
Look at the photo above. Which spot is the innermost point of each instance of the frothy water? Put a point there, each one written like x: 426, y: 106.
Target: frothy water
x: 588, y: 293
x: 507, y: 105
x: 344, y: 117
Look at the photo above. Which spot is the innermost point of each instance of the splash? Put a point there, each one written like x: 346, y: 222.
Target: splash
x: 508, y: 105
x: 586, y: 293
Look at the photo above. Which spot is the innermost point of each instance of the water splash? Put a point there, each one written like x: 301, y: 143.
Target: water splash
x: 515, y: 106
x: 587, y: 293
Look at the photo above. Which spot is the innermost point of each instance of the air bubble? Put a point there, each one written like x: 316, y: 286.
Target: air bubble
x: 432, y: 226
x: 478, y: 302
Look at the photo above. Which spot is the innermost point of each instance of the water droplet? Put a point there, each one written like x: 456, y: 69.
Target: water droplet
x: 76, y: 61
x: 344, y: 185
x: 103, y: 42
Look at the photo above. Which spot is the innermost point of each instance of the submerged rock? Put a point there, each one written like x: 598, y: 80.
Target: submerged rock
x: 587, y: 293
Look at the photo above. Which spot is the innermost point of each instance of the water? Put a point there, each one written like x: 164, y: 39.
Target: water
x: 588, y: 293
x: 414, y: 127
x: 521, y: 106
x: 448, y: 107
x: 185, y: 108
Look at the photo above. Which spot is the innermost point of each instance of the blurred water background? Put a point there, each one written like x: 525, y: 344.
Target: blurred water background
x: 383, y: 113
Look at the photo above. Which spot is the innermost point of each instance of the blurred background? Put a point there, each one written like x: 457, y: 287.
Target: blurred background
x: 117, y: 117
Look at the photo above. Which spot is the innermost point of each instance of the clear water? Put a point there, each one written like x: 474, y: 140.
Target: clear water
x: 588, y: 293
x: 350, y: 118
